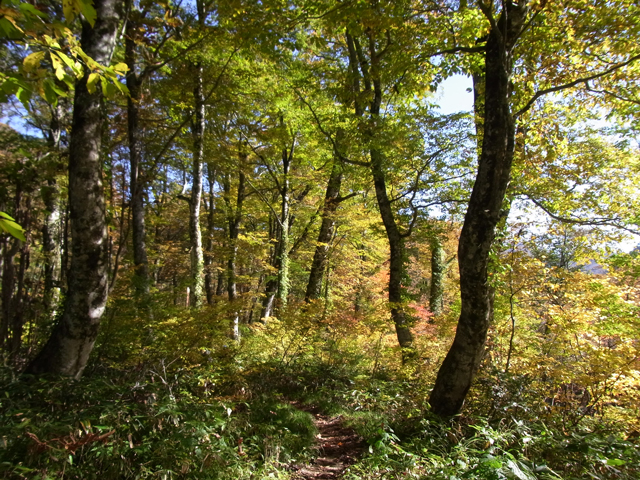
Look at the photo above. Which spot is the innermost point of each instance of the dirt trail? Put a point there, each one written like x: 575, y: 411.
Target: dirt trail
x: 337, y: 445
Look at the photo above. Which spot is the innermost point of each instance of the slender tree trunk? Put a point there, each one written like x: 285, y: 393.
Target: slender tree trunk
x: 397, y: 259
x: 283, y: 243
x: 11, y: 248
x: 136, y: 185
x: 438, y: 270
x: 327, y: 227
x: 67, y: 350
x: 208, y: 256
x: 52, y: 226
x: 197, y: 255
x: 234, y: 216
x: 18, y: 302
x: 371, y: 78
x: 271, y: 286
x: 484, y: 211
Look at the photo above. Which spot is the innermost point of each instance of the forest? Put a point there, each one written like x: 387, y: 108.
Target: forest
x: 247, y: 239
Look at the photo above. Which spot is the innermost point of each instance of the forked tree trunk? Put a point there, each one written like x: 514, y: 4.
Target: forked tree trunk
x: 369, y: 71
x: 67, y: 350
x: 484, y: 211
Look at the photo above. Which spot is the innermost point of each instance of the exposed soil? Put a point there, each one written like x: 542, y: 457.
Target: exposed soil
x: 337, y: 445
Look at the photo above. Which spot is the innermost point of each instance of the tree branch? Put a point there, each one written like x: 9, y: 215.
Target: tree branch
x: 574, y: 83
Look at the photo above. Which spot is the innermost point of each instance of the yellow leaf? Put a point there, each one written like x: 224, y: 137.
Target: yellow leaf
x: 91, y: 82
x: 32, y: 62
x: 121, y: 68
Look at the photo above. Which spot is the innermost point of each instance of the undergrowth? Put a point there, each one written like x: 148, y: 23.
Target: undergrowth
x: 229, y: 413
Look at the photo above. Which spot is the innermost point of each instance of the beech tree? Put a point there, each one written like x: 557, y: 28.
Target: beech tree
x: 67, y: 350
x: 508, y: 27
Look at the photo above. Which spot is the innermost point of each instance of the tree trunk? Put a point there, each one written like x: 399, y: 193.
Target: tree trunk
x: 136, y: 185
x: 197, y: 255
x: 17, y: 304
x: 52, y: 226
x: 208, y: 256
x: 484, y: 211
x: 327, y: 227
x: 72, y: 339
x: 438, y: 269
x: 397, y: 260
x: 283, y: 243
x: 234, y: 219
x: 271, y: 286
x: 371, y: 77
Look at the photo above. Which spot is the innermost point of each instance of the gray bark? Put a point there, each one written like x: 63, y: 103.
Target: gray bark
x: 67, y: 350
x: 195, y: 234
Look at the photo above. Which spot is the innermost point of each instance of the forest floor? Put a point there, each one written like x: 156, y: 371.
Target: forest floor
x: 337, y: 446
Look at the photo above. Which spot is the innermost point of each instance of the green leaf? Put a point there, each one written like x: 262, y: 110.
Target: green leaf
x: 8, y: 217
x: 28, y: 8
x: 121, y: 68
x: 90, y: 15
x: 24, y: 95
x: 50, y: 94
x: 92, y: 81
x: 69, y: 10
x: 615, y: 462
x: 13, y: 229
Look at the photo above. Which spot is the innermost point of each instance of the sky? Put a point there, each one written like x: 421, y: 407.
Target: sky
x: 455, y: 94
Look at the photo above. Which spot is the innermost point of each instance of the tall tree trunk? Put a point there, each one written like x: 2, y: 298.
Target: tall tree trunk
x: 11, y: 248
x: 484, y: 211
x: 283, y: 243
x: 327, y: 227
x: 17, y: 304
x: 369, y: 72
x: 52, y: 225
x: 195, y: 234
x: 271, y: 286
x: 397, y: 259
x: 234, y: 220
x: 67, y: 350
x: 208, y: 255
x: 136, y: 185
x: 438, y: 269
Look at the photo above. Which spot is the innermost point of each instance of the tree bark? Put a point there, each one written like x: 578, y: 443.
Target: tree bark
x: 283, y: 243
x: 67, y: 350
x: 234, y: 220
x: 52, y: 225
x: 438, y: 269
x: 484, y: 211
x: 136, y: 185
x: 327, y: 227
x: 208, y: 256
x: 369, y: 71
x: 195, y: 234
